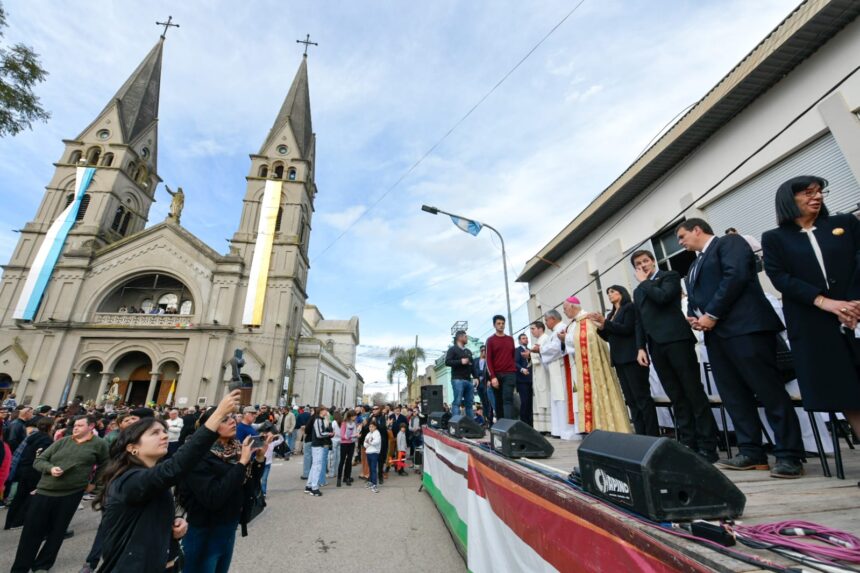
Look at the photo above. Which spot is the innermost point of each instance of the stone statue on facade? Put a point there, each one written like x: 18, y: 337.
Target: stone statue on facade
x: 236, y: 364
x: 176, y: 204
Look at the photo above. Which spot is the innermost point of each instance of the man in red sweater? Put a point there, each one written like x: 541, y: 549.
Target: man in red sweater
x: 502, y: 369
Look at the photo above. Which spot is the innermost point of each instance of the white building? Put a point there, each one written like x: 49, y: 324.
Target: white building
x: 325, y: 361
x: 790, y: 107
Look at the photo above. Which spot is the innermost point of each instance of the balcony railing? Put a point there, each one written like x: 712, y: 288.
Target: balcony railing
x: 143, y: 320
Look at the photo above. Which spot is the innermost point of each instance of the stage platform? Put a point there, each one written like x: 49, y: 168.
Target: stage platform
x: 547, y: 525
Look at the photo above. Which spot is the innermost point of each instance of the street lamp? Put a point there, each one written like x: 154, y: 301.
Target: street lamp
x: 436, y: 211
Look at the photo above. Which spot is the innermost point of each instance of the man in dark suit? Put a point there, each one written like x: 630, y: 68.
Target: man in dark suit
x: 662, y: 329
x: 482, y: 375
x: 726, y: 301
x: 523, y: 359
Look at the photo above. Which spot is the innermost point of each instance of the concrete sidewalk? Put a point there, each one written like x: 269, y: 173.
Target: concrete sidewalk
x: 348, y: 526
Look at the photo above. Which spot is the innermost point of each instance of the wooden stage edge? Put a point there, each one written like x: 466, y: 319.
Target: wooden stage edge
x: 830, y: 502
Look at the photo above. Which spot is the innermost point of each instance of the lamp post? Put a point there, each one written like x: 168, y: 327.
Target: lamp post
x: 436, y: 211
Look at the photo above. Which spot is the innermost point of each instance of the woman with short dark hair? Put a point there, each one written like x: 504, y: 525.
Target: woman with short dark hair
x: 618, y: 328
x: 812, y: 259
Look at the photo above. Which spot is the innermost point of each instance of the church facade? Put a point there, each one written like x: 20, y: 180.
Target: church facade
x: 151, y: 313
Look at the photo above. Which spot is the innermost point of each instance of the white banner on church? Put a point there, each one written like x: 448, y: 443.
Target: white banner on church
x: 256, y: 295
x: 50, y: 249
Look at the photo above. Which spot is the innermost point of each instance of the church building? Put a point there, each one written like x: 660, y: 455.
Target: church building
x: 97, y: 304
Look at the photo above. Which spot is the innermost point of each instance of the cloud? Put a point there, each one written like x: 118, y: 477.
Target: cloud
x: 341, y: 220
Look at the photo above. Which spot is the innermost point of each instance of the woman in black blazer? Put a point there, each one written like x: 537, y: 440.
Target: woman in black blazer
x: 619, y: 329
x: 812, y: 259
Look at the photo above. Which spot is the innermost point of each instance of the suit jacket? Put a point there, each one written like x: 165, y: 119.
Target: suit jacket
x: 725, y: 285
x: 658, y: 310
x: 522, y: 363
x: 482, y: 375
x: 620, y: 333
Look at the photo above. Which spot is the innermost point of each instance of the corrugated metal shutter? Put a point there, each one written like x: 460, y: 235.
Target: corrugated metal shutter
x: 750, y: 207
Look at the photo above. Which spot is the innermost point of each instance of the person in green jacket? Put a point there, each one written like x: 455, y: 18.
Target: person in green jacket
x: 66, y: 466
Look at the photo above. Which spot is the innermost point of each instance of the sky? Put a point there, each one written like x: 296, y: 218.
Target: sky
x: 388, y: 81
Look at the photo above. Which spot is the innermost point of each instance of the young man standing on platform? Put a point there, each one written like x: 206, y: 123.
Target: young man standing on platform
x: 663, y: 331
x: 459, y: 360
x: 523, y: 359
x: 502, y: 369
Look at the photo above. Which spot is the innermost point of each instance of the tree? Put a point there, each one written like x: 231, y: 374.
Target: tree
x: 20, y: 70
x: 378, y: 399
x: 404, y: 360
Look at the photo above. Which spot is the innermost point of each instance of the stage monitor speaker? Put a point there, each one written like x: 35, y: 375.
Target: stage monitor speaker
x: 439, y: 420
x: 656, y: 477
x: 515, y: 439
x: 465, y: 427
x: 431, y: 398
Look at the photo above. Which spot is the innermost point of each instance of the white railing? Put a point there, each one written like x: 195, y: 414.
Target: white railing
x: 143, y: 320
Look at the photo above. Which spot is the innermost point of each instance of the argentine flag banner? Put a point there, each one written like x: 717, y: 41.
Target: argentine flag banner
x: 467, y: 225
x: 50, y: 249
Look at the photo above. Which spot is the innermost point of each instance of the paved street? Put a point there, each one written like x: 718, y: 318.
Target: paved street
x: 345, y: 526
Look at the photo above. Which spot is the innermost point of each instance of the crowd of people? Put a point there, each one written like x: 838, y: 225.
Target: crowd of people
x: 593, y: 370
x: 173, y: 486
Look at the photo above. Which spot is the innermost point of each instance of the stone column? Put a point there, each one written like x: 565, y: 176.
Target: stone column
x: 153, y: 380
x: 103, y: 384
x: 76, y: 382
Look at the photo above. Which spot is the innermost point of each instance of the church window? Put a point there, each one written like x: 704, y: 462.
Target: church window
x: 117, y: 218
x: 144, y: 152
x: 292, y: 174
x: 103, y: 134
x: 168, y: 301
x: 264, y: 171
x: 302, y: 231
x: 278, y: 219
x: 140, y: 174
x: 82, y: 211
x: 125, y: 221
x: 75, y: 157
x: 93, y: 156
x: 107, y: 160
x: 132, y: 167
x: 279, y: 171
x: 283, y: 149
x: 187, y: 307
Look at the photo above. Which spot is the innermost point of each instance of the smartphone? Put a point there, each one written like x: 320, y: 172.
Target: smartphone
x: 234, y: 385
x: 257, y: 442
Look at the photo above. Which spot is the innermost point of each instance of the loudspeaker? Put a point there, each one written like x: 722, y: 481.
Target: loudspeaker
x: 464, y: 427
x: 431, y: 399
x: 439, y: 420
x: 656, y: 477
x: 515, y: 439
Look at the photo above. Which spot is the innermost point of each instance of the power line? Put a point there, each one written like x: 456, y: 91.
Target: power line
x: 450, y: 131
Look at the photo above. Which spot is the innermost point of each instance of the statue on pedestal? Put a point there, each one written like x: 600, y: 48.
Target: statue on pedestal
x: 176, y: 204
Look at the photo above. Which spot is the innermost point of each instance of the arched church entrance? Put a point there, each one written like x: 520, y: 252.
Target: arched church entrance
x: 167, y: 375
x: 247, y: 389
x: 90, y: 379
x: 5, y: 386
x: 134, y: 372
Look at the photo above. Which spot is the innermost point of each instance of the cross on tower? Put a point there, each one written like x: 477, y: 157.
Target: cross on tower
x: 307, y: 42
x: 166, y: 25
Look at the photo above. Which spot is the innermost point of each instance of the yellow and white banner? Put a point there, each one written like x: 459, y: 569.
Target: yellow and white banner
x: 256, y: 295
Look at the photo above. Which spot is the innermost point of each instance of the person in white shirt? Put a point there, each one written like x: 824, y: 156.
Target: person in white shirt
x: 372, y: 446
x: 551, y: 356
x: 540, y: 380
x: 174, y: 430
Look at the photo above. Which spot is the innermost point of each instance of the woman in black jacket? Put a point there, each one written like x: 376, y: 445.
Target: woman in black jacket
x: 27, y: 477
x: 619, y: 329
x: 214, y: 494
x: 141, y: 530
x: 813, y: 259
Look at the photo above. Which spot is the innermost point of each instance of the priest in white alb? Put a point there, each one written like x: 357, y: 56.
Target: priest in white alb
x: 561, y: 386
x: 540, y: 380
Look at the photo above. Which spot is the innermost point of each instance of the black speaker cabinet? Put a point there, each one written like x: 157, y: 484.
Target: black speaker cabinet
x: 515, y: 439
x: 465, y: 427
x: 431, y: 399
x: 656, y: 477
x: 439, y: 420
